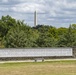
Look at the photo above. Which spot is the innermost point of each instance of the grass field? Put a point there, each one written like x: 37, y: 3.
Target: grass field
x: 39, y: 68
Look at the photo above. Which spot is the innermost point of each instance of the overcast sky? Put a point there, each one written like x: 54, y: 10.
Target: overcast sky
x: 58, y: 13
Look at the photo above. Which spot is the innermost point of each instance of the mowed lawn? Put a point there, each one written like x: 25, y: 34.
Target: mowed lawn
x: 39, y: 68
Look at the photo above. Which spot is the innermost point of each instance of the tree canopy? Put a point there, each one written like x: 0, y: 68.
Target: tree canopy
x: 17, y: 34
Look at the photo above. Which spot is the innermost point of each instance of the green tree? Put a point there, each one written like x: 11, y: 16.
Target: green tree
x: 20, y: 36
x: 68, y: 39
x: 6, y: 22
x: 61, y: 31
x: 46, y: 36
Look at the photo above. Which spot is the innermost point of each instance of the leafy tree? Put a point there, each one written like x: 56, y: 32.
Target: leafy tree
x: 73, y: 26
x: 69, y: 39
x: 15, y: 33
x: 6, y: 22
x: 20, y: 36
x: 1, y: 43
x: 62, y: 31
x: 53, y: 32
x: 46, y: 38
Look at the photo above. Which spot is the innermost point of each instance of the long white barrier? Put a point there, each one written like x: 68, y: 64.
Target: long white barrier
x: 36, y: 52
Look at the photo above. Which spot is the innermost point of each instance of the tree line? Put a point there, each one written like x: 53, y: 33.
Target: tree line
x: 17, y: 34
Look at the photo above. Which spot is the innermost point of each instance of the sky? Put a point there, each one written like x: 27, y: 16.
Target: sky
x: 58, y: 13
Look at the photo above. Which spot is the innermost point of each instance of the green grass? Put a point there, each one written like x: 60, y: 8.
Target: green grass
x: 39, y: 68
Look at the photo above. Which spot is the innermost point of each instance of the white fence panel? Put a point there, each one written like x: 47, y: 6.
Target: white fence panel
x: 36, y: 52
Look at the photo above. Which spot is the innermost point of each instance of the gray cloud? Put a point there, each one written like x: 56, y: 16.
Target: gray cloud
x: 51, y: 12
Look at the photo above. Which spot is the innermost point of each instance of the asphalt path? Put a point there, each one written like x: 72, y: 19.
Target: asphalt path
x: 45, y: 60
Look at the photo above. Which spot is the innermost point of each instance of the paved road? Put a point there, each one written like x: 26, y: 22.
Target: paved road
x: 38, y: 60
x: 61, y: 59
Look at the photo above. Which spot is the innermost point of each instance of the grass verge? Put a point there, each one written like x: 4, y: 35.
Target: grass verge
x: 66, y: 67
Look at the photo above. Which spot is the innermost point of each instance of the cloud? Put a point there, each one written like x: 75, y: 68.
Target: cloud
x: 52, y: 12
x: 27, y: 8
x: 4, y: 1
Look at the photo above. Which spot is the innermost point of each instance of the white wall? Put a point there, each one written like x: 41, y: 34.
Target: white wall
x: 36, y: 52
